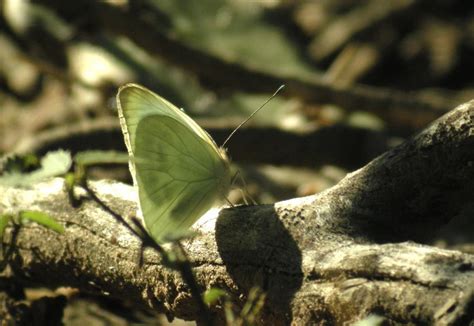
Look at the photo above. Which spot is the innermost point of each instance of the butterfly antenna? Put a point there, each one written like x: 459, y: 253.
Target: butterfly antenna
x: 250, y: 116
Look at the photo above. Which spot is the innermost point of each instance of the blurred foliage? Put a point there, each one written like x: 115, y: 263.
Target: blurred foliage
x: 52, y: 164
x: 238, y: 31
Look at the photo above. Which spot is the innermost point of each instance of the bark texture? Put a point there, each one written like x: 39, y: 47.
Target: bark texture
x: 330, y: 258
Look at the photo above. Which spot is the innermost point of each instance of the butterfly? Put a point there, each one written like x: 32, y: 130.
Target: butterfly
x: 179, y: 170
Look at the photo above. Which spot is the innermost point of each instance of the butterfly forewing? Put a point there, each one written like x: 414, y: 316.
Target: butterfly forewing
x: 136, y: 102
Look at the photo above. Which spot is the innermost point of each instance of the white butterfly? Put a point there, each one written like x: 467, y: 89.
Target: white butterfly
x: 178, y: 168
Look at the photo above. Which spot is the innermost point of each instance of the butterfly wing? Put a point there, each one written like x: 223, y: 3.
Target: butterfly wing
x: 178, y: 169
x: 136, y: 102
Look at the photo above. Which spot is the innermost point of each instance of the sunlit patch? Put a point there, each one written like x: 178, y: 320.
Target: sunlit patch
x: 94, y: 66
x: 207, y: 222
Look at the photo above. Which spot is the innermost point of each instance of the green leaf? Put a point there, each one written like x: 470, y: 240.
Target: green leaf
x: 42, y: 219
x: 4, y: 219
x: 87, y: 158
x: 57, y: 162
x: 212, y: 295
x: 19, y: 164
x: 70, y: 181
x: 53, y: 164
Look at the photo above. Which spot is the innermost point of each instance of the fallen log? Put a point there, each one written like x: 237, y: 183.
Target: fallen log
x: 331, y: 258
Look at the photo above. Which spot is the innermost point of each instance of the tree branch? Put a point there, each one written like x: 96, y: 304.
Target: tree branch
x: 325, y: 258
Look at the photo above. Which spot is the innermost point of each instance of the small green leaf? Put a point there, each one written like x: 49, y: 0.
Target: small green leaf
x: 87, y: 158
x: 53, y: 164
x: 56, y: 163
x: 212, y: 295
x: 69, y: 181
x: 18, y: 164
x: 4, y: 219
x: 42, y: 219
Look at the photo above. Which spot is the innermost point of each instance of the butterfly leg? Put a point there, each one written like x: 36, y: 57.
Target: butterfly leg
x: 229, y: 202
x: 244, y: 191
